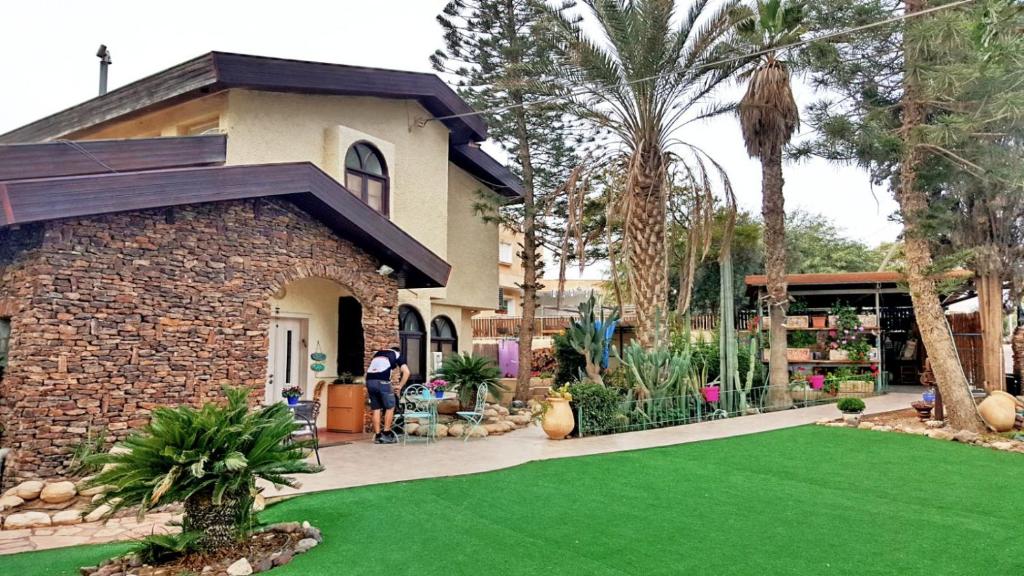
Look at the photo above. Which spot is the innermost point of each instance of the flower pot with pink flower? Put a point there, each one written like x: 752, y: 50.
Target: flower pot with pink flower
x: 817, y: 381
x: 438, y: 386
x: 711, y: 393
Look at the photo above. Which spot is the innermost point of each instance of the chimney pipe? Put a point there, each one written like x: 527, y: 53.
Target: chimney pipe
x: 104, y: 55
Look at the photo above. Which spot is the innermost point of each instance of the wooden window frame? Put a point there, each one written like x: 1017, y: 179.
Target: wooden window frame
x: 365, y: 177
x: 439, y: 340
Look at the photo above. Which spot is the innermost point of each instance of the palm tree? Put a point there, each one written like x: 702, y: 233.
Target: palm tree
x: 768, y: 117
x: 645, y: 77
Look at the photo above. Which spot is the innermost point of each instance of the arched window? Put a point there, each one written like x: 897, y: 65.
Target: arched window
x: 413, y: 342
x: 443, y: 337
x: 366, y: 176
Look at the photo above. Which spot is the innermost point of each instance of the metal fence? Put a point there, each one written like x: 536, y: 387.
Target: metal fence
x: 634, y: 414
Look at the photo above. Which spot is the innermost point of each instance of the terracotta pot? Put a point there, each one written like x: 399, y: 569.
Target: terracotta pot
x: 818, y: 321
x: 558, y: 421
x: 999, y: 412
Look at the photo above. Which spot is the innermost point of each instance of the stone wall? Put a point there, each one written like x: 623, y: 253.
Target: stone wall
x: 114, y: 315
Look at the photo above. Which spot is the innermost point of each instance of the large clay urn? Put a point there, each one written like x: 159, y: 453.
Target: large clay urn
x: 558, y: 421
x: 999, y: 412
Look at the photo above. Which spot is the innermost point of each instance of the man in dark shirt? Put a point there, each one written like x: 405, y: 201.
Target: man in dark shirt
x: 381, y: 392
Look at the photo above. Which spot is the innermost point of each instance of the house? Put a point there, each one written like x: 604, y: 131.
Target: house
x: 223, y: 221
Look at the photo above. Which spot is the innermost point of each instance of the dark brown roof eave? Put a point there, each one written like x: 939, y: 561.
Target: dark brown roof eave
x: 25, y: 201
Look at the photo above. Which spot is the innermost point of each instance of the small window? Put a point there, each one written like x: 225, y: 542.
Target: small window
x: 366, y: 176
x: 443, y: 337
x: 505, y: 253
x: 203, y: 128
x: 502, y: 303
x: 5, y: 339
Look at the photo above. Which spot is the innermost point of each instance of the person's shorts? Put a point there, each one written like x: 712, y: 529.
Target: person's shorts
x: 382, y: 397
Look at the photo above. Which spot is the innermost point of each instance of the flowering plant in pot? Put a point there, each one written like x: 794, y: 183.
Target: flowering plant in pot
x: 438, y: 386
x: 292, y: 395
x: 817, y: 381
x: 851, y: 408
x: 711, y: 393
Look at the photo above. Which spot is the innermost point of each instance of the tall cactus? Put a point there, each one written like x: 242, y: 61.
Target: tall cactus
x: 589, y: 336
x: 728, y: 357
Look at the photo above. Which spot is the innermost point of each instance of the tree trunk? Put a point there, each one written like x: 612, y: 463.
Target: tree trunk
x: 645, y: 241
x: 773, y: 211
x: 931, y: 319
x: 990, y: 312
x: 218, y: 524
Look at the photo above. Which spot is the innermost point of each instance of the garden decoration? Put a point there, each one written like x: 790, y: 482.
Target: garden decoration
x: 292, y: 395
x: 558, y: 420
x: 589, y: 336
x: 438, y: 386
x: 924, y: 410
x: 851, y: 408
x: 318, y: 358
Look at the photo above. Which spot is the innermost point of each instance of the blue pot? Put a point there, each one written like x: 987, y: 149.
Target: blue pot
x: 293, y: 400
x: 438, y: 393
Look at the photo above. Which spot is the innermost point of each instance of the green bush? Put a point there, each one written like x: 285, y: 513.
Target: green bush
x: 598, y: 405
x: 850, y: 405
x: 570, y: 362
x: 801, y: 339
x: 160, y: 548
x: 469, y: 374
x: 208, y: 459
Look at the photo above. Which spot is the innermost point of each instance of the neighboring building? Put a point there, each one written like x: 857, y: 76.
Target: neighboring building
x: 130, y: 277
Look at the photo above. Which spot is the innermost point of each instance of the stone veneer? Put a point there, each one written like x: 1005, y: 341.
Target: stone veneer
x: 114, y: 315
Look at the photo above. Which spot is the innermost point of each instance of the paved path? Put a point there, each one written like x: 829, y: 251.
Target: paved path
x: 364, y: 463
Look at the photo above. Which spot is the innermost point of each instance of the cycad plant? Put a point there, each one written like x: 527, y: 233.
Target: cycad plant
x: 471, y: 375
x: 208, y: 459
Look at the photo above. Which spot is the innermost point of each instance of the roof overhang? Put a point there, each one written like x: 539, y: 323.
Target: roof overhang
x: 42, y: 199
x: 217, y: 71
x: 848, y: 282
x: 487, y: 170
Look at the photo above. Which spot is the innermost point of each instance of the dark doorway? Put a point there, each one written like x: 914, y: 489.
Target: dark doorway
x: 413, y: 341
x: 351, y: 346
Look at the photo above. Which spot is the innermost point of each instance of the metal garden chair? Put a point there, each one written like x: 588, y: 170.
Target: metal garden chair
x: 306, y: 413
x: 415, y: 404
x: 475, y: 417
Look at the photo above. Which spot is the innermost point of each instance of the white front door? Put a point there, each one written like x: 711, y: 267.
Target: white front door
x: 286, y: 361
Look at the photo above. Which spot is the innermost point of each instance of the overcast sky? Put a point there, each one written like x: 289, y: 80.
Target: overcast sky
x: 49, y: 64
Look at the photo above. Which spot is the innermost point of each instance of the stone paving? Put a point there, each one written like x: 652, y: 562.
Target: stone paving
x: 360, y: 464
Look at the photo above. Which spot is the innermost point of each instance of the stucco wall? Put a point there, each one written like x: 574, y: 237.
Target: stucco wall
x: 472, y: 246
x: 130, y: 311
x: 171, y: 121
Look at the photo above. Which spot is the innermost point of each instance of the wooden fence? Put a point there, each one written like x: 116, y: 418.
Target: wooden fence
x: 508, y: 326
x: 967, y: 335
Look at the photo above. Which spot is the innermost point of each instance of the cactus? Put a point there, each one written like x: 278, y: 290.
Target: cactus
x: 589, y: 336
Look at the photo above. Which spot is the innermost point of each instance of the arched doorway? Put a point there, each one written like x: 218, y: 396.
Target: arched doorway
x: 413, y: 337
x: 443, y: 337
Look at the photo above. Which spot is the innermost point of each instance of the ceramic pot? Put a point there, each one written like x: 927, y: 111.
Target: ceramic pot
x: 852, y: 417
x: 817, y: 381
x: 293, y: 400
x: 438, y: 393
x: 711, y: 393
x: 558, y: 421
x: 818, y: 321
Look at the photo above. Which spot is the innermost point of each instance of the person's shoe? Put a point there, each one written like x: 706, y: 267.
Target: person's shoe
x: 389, y: 437
x: 378, y: 439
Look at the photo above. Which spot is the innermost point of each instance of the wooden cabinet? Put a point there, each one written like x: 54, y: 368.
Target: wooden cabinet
x: 346, y: 407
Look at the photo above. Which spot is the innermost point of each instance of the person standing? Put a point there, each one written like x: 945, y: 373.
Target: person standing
x: 381, y: 392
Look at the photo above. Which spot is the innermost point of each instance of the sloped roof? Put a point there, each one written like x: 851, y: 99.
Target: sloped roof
x: 171, y: 182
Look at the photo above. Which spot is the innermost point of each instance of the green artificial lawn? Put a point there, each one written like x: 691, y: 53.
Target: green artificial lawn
x: 808, y: 500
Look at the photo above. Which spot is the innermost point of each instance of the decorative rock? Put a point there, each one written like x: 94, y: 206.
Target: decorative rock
x: 282, y: 559
x: 304, y: 545
x: 66, y: 517
x: 502, y: 411
x: 456, y: 430
x: 97, y: 514
x: 479, y: 432
x: 494, y: 428
x: 287, y: 527
x: 28, y: 490
x: 1003, y: 445
x: 836, y: 425
x: 31, y: 519
x: 883, y: 428
x: 966, y: 436
x: 412, y: 429
x: 58, y: 492
x: 263, y: 565
x: 866, y: 426
x: 520, y: 419
x: 9, y: 502
x: 823, y: 421
x: 940, y: 434
x: 240, y: 567
x: 490, y: 413
x: 315, y: 534
x: 935, y: 423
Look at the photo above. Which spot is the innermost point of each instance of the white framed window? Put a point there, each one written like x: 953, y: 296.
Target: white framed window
x: 505, y: 253
x: 211, y: 126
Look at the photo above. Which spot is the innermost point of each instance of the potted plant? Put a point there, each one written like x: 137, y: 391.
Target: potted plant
x: 817, y: 381
x: 796, y: 316
x: 800, y: 343
x: 438, y: 386
x: 292, y: 395
x: 470, y: 375
x: 711, y: 393
x: 558, y: 420
x: 831, y: 385
x: 851, y: 408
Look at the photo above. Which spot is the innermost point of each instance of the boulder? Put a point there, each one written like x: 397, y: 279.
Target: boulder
x: 84, y: 490
x: 457, y: 429
x: 940, y: 434
x: 502, y: 411
x: 57, y: 492
x: 520, y: 419
x: 882, y: 428
x: 448, y: 406
x: 66, y: 517
x: 935, y: 423
x: 479, y: 432
x: 240, y: 567
x: 866, y: 425
x: 10, y: 502
x: 98, y: 514
x: 490, y: 413
x: 28, y: 490
x: 283, y: 559
x: 999, y: 412
x: 305, y: 545
x: 1003, y: 445
x: 412, y: 428
x: 440, y: 431
x: 445, y: 419
x: 31, y: 519
x: 264, y: 565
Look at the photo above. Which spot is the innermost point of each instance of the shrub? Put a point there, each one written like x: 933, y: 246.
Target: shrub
x: 850, y: 405
x: 160, y: 548
x: 570, y: 362
x: 208, y: 459
x: 468, y: 374
x: 598, y: 406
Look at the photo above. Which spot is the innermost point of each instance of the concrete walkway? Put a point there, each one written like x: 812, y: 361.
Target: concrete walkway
x: 365, y: 463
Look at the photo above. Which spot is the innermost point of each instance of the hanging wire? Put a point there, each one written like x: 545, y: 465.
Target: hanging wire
x: 573, y: 94
x: 76, y: 146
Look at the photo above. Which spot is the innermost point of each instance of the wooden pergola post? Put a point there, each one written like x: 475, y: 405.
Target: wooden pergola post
x: 990, y: 315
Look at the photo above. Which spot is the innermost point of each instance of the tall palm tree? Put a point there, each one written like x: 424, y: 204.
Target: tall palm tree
x: 645, y: 77
x: 768, y: 118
